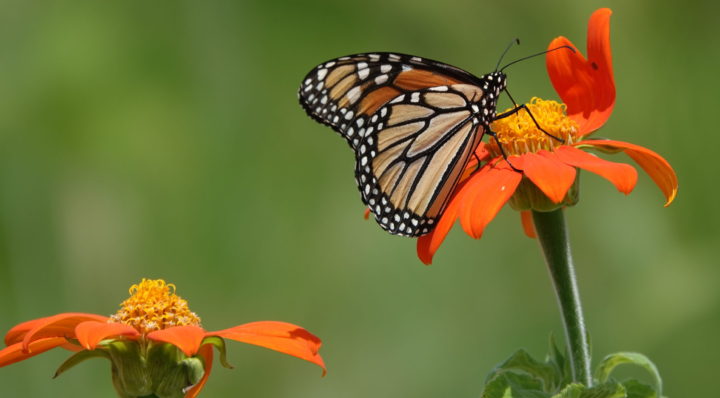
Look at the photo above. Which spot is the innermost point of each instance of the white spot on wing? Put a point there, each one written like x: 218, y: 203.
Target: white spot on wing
x: 353, y: 94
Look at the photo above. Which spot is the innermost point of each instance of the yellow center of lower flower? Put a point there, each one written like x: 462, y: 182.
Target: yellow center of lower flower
x: 519, y: 134
x: 153, y: 305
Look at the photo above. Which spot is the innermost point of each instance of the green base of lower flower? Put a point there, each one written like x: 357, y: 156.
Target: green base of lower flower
x: 521, y: 376
x: 142, y: 369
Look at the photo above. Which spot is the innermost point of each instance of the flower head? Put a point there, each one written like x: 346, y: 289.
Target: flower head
x: 154, y: 343
x: 542, y: 171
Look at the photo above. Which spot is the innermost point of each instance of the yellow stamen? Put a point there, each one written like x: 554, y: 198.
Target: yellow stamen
x: 153, y: 305
x: 518, y: 134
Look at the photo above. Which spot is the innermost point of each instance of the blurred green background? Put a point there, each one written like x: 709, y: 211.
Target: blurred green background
x: 163, y: 139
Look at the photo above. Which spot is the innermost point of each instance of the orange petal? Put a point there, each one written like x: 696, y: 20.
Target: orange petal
x: 206, y: 353
x: 654, y: 165
x: 279, y: 336
x: 587, y: 87
x: 90, y: 333
x: 485, y: 194
x: 623, y: 176
x: 528, y: 224
x: 16, y: 352
x: 428, y: 244
x: 60, y: 325
x: 548, y: 173
x: 186, y: 338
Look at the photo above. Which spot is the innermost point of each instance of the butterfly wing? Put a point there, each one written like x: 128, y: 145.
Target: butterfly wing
x: 339, y: 91
x: 413, y: 152
x: 413, y: 124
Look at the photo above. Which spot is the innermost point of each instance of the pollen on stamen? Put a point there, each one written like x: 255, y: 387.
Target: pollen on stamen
x: 153, y: 305
x: 519, y: 134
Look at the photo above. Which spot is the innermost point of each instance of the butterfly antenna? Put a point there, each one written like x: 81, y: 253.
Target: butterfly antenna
x: 514, y: 41
x: 535, y: 55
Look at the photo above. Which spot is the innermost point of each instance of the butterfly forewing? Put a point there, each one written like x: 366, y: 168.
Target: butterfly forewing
x: 342, y: 90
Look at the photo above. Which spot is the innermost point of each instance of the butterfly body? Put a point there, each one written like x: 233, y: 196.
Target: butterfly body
x: 413, y: 124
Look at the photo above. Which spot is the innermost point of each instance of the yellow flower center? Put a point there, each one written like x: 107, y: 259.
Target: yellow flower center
x: 153, y: 305
x: 519, y: 134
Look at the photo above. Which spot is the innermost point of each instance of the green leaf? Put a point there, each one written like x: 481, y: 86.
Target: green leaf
x: 636, y: 389
x: 610, y: 389
x: 78, y: 357
x: 514, y: 385
x: 610, y: 362
x: 219, y: 343
x: 545, y: 373
x: 558, y: 359
x: 573, y: 390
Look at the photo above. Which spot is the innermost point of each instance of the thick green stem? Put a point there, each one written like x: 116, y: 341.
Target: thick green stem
x: 553, y: 238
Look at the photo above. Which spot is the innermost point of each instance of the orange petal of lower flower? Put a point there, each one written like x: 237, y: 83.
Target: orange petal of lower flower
x: 16, y: 352
x: 206, y: 353
x: 279, y: 336
x: 654, y: 165
x: 548, y: 173
x: 60, y: 325
x: 587, y: 87
x: 623, y: 176
x: 186, y: 338
x: 484, y: 196
x: 90, y: 333
x: 528, y: 224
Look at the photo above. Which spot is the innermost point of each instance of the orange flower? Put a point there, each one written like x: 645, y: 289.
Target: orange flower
x: 154, y: 342
x: 545, y: 174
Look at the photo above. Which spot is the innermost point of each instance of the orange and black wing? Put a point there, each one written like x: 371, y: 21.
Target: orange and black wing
x: 413, y: 124
x: 413, y: 152
x: 354, y: 87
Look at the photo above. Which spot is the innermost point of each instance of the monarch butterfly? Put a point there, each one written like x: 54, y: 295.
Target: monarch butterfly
x: 413, y: 123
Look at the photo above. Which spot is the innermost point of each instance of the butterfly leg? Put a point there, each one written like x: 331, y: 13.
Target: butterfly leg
x: 523, y: 106
x: 502, y: 151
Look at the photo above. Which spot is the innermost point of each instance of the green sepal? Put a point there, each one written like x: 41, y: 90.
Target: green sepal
x: 168, y: 374
x: 528, y: 196
x: 78, y: 357
x: 219, y: 344
x: 129, y: 374
x: 610, y: 362
x: 194, y: 368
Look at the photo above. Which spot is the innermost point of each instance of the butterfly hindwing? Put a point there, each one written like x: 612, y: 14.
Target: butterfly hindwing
x: 412, y: 152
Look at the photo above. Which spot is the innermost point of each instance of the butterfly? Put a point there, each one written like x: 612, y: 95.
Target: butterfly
x: 413, y: 123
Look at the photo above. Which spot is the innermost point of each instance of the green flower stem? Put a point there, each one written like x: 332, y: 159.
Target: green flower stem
x: 553, y: 238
